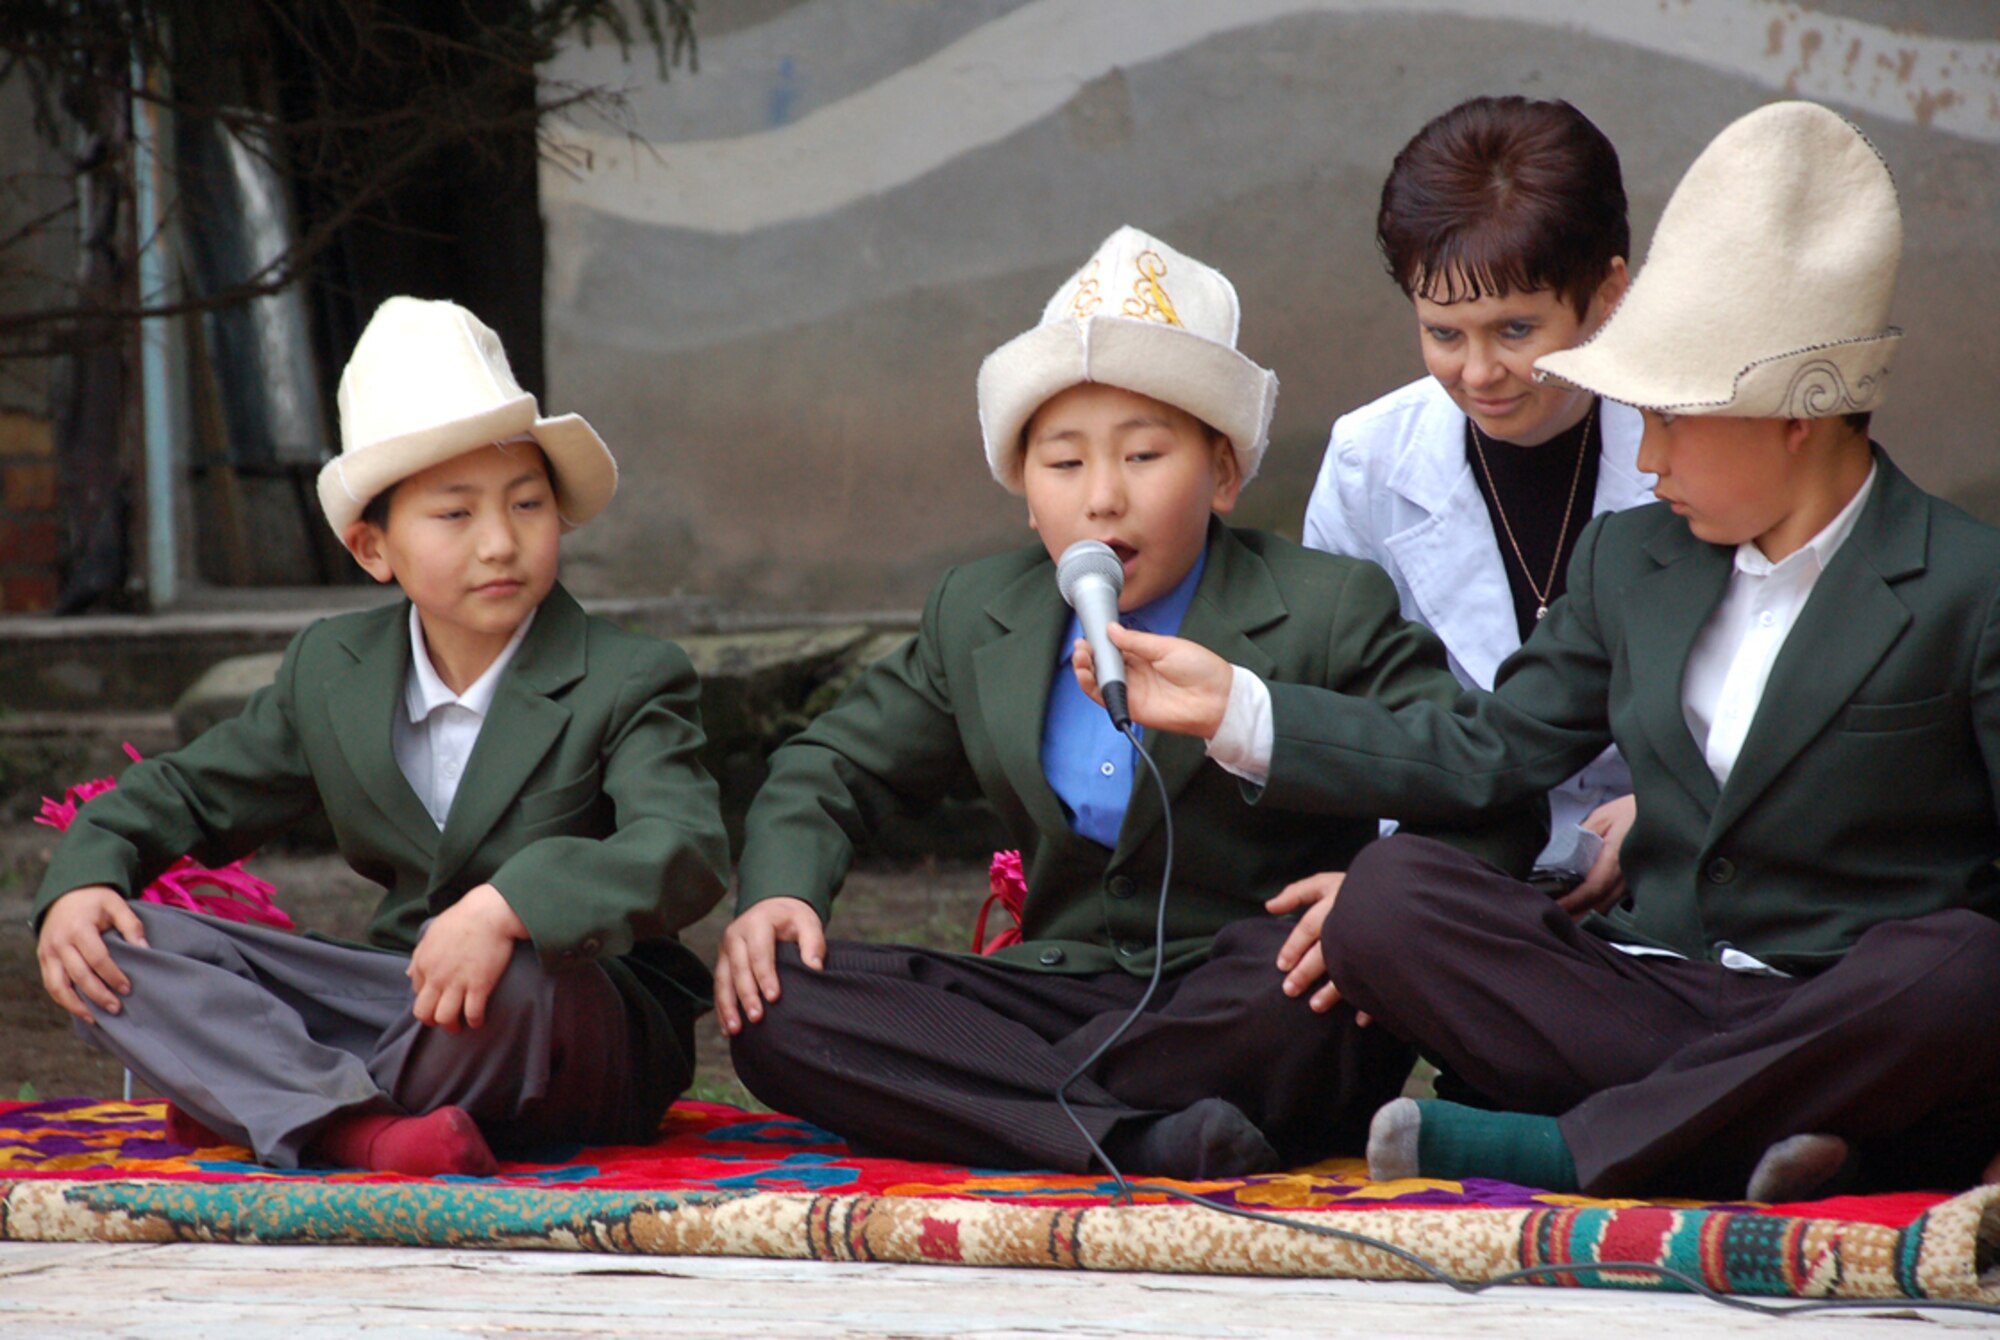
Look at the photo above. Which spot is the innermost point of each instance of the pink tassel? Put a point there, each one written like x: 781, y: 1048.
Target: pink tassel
x: 242, y: 896
x: 1009, y: 888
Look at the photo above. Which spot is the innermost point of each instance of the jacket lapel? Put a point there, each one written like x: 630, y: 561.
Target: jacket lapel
x: 362, y: 704
x: 1014, y: 671
x: 1235, y: 597
x: 1451, y: 558
x: 1664, y: 613
x: 518, y: 732
x: 1848, y: 624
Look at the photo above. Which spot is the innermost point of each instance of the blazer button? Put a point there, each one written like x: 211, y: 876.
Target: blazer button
x: 1130, y: 949
x: 1120, y: 887
x: 1721, y: 870
x: 1051, y: 957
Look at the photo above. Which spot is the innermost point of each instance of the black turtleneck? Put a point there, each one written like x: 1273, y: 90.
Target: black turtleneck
x: 1530, y: 487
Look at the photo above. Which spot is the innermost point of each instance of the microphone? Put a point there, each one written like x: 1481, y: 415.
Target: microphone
x: 1090, y: 577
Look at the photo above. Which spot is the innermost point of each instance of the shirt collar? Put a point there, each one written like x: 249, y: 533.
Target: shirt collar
x: 1162, y: 614
x: 424, y: 692
x: 1821, y: 548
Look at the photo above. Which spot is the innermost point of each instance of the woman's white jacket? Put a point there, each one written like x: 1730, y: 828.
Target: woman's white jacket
x: 1396, y: 488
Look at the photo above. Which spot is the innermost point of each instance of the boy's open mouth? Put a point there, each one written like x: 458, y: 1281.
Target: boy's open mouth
x: 1126, y: 553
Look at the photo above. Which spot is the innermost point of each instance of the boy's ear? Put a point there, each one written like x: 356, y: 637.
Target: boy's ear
x: 1228, y: 478
x: 1800, y: 432
x: 364, y: 540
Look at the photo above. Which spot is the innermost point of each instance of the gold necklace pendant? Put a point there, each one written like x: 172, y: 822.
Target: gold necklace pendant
x: 1541, y: 592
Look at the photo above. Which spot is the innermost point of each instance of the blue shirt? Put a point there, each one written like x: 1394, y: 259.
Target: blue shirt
x: 1088, y: 762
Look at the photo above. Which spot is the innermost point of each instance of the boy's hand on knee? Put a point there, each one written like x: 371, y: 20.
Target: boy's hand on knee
x: 1301, y: 957
x: 460, y: 958
x: 1603, y: 888
x: 746, y: 964
x: 75, y: 963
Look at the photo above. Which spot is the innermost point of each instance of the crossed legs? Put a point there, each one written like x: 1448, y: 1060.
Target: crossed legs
x: 266, y: 1038
x: 939, y: 1056
x: 1671, y: 1075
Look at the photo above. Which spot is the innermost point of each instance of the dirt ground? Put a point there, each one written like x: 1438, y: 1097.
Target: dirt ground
x: 931, y: 904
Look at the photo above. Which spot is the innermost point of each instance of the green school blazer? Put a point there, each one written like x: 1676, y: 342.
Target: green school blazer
x: 582, y: 803
x: 959, y: 711
x: 1865, y: 790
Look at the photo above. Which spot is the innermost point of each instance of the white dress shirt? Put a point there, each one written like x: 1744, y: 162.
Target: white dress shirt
x: 1732, y: 656
x: 1242, y: 744
x: 433, y: 736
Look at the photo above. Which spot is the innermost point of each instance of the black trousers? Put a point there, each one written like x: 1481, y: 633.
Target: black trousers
x: 1672, y: 1076
x: 921, y: 1054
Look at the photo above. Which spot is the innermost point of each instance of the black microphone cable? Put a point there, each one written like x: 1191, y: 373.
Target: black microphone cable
x: 1126, y: 1188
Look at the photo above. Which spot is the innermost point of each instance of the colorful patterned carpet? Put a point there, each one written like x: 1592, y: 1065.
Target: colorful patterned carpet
x: 730, y: 1183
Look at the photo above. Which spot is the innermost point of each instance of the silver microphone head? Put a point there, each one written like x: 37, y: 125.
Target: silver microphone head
x: 1084, y: 560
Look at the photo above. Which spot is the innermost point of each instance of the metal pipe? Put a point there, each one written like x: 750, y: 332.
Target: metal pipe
x: 162, y: 548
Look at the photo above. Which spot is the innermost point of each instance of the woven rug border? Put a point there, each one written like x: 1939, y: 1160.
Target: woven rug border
x: 1950, y: 1252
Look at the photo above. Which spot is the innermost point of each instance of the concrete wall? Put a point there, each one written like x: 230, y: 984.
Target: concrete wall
x: 772, y: 301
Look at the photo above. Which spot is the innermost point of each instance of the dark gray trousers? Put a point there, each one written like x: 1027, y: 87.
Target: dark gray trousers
x: 264, y: 1036
x: 1672, y: 1076
x: 916, y: 1053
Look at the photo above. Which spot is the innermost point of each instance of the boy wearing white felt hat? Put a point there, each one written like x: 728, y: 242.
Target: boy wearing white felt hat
x: 1125, y: 416
x: 520, y: 778
x: 1798, y: 651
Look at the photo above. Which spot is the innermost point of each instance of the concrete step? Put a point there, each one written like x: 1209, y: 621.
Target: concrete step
x: 43, y: 753
x: 143, y: 662
x: 73, y: 692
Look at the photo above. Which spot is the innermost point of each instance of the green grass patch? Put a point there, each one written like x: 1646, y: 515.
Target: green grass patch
x: 730, y: 1090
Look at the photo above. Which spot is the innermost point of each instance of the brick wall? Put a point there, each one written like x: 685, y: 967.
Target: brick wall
x: 30, y: 537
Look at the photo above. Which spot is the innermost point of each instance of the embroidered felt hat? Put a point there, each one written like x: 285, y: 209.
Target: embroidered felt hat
x: 1140, y: 316
x: 429, y: 381
x: 1766, y: 291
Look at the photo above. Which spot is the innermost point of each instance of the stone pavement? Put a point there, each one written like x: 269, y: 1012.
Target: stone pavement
x: 306, y: 1293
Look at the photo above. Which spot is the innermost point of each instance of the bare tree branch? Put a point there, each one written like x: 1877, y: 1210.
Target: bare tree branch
x: 348, y: 100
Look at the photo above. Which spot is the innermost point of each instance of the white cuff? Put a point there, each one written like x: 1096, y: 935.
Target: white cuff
x: 1242, y: 743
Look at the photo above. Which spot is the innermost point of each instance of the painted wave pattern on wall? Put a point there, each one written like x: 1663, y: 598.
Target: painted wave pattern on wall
x: 1016, y: 70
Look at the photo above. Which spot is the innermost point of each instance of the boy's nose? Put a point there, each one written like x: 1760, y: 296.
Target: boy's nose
x: 1106, y: 494
x: 1652, y: 458
x: 496, y: 538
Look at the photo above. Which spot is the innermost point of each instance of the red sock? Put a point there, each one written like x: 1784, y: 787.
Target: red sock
x: 183, y: 1129
x: 446, y: 1140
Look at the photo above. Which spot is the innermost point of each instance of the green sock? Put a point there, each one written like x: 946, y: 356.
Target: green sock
x: 1455, y: 1142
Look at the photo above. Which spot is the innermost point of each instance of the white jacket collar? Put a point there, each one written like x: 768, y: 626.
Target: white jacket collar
x: 1451, y: 558
x: 1430, y: 455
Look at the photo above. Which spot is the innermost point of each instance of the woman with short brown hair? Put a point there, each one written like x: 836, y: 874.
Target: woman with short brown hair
x: 1504, y: 222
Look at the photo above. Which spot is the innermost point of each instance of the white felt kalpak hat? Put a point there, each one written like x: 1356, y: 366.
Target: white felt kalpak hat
x: 428, y: 381
x: 1142, y: 317
x: 1766, y: 291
